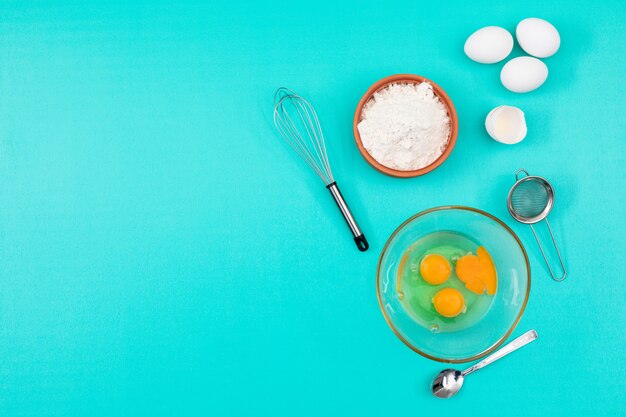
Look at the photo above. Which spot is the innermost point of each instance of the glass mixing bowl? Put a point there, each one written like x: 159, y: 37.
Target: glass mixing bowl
x: 506, y: 309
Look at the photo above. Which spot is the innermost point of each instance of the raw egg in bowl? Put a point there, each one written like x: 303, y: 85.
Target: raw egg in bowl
x: 453, y: 282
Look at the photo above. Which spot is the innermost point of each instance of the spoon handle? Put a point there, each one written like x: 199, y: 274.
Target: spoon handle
x: 524, y: 339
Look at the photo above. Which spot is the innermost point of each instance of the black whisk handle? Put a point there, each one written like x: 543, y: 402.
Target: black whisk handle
x: 361, y: 243
x: 359, y: 238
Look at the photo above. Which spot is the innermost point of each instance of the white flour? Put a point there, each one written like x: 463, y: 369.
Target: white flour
x: 405, y: 126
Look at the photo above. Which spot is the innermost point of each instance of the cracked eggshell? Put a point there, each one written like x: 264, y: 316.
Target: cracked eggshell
x: 506, y: 124
x: 538, y: 37
x: 489, y: 45
x: 523, y: 74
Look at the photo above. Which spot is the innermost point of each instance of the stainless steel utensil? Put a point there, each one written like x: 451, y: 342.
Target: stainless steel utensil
x: 449, y: 381
x: 530, y: 200
x: 297, y: 123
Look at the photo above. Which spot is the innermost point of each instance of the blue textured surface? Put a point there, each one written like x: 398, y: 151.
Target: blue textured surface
x: 162, y: 252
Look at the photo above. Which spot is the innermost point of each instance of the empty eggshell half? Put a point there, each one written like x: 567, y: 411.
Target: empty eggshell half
x: 506, y: 124
x: 538, y: 37
x: 523, y: 74
x: 489, y: 45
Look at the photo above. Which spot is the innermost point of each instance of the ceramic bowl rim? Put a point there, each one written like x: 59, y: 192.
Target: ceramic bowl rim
x: 406, y: 78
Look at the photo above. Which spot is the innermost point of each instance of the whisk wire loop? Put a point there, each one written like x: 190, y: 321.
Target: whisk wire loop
x: 296, y: 120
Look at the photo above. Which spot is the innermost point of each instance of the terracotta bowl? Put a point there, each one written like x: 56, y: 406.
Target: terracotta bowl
x: 406, y: 78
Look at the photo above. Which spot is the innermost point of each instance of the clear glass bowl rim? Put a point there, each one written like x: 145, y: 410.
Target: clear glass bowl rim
x: 501, y: 340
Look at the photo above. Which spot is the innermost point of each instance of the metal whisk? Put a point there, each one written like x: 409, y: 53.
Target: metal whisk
x: 297, y: 123
x: 530, y: 200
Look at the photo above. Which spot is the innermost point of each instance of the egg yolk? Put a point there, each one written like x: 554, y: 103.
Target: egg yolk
x: 488, y: 273
x: 449, y: 302
x: 478, y: 272
x: 435, y: 269
x: 468, y: 271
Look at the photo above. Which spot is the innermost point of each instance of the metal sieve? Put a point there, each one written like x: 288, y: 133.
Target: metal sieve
x: 530, y: 200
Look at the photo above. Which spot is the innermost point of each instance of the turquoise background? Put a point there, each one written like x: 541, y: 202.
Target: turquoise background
x: 162, y: 252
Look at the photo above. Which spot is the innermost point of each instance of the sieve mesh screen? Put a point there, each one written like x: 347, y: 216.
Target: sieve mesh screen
x: 529, y: 199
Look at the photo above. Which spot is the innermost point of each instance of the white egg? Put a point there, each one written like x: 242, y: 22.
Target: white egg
x: 523, y: 74
x: 489, y: 45
x: 538, y: 37
x: 506, y: 124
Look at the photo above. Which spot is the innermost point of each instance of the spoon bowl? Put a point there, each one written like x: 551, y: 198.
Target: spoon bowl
x: 447, y: 383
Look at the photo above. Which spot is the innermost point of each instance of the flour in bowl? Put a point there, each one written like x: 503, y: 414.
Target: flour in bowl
x: 405, y: 126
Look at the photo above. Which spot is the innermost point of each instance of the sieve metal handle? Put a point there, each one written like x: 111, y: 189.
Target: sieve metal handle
x: 545, y: 258
x: 517, y: 178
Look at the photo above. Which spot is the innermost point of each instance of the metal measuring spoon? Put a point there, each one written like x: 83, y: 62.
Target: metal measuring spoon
x: 449, y: 381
